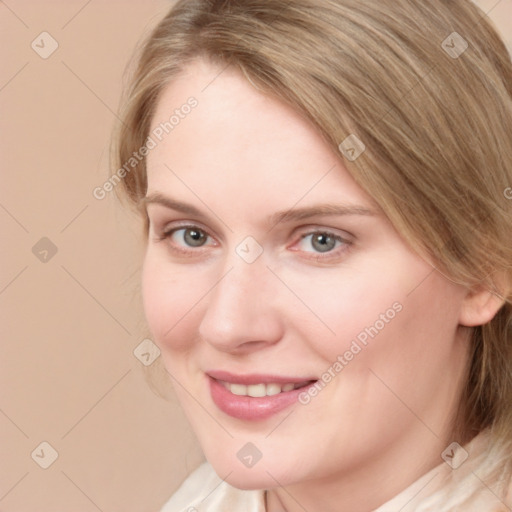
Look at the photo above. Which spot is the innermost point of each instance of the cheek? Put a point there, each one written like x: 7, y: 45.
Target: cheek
x: 389, y: 309
x: 408, y: 351
x: 349, y: 304
x: 425, y: 332
x: 170, y: 297
x: 395, y: 344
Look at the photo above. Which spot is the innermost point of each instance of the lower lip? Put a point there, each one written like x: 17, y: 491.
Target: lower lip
x: 252, y: 408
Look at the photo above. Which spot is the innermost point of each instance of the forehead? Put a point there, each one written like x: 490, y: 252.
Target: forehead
x: 240, y: 145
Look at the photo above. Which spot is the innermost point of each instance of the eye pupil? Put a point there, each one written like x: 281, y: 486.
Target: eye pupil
x: 194, y: 237
x: 322, y: 242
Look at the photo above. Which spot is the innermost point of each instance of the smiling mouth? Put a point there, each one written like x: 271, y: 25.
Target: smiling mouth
x: 263, y: 389
x: 255, y: 397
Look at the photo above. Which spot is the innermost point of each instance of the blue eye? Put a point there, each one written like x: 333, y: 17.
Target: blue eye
x: 188, y: 236
x: 320, y: 242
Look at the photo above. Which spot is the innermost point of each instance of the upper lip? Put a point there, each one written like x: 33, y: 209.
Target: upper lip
x: 255, y: 378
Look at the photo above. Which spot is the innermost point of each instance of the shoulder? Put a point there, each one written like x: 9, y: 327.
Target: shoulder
x: 478, y: 478
x: 192, y: 490
x: 203, y: 490
x: 508, y: 497
x: 500, y: 483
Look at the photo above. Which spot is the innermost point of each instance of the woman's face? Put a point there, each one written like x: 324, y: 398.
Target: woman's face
x: 267, y: 268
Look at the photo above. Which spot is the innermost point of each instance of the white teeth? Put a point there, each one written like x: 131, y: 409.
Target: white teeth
x: 238, y: 389
x: 257, y: 390
x: 260, y: 390
x: 273, y: 389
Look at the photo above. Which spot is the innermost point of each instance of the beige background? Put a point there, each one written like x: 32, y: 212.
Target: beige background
x: 70, y: 324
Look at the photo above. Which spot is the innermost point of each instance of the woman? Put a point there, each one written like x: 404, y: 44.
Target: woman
x: 328, y: 266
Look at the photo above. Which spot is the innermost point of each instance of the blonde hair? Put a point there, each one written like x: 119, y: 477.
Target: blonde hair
x: 426, y: 86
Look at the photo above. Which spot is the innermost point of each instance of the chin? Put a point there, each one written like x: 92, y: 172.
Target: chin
x: 264, y: 474
x: 249, y: 479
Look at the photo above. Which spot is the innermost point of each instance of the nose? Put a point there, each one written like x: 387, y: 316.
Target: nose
x: 241, y: 311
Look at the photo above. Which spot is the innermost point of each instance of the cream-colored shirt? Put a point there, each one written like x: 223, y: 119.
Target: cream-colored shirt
x: 472, y: 480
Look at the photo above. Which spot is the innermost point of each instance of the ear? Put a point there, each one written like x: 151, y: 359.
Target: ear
x: 480, y: 306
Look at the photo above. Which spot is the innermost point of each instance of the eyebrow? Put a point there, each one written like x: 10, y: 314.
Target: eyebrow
x: 291, y: 215
x: 297, y: 214
x: 157, y: 198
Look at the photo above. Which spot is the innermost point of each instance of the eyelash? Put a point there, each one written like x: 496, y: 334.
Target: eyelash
x: 314, y: 255
x: 167, y: 234
x: 333, y: 254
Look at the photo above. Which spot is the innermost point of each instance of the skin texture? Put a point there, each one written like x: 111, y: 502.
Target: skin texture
x: 239, y: 157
